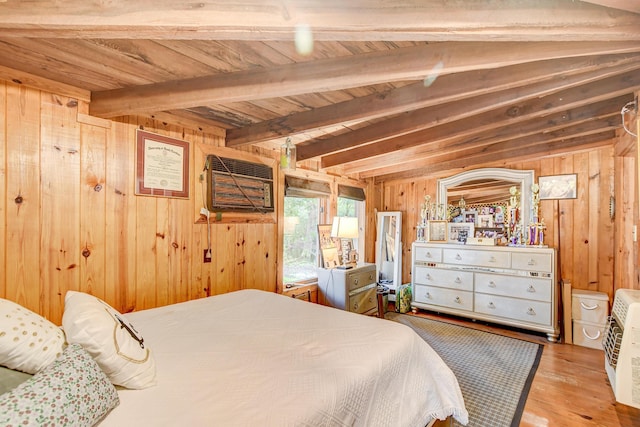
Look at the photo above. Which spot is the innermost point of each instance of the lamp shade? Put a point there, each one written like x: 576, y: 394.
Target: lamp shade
x: 345, y: 227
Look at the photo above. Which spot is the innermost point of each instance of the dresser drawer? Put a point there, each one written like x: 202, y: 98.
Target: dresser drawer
x: 531, y: 261
x: 364, y: 301
x: 512, y: 308
x: 453, y: 279
x: 480, y: 258
x: 422, y: 254
x: 461, y: 300
x: 514, y: 286
x: 303, y: 292
x: 589, y: 306
x: 358, y: 279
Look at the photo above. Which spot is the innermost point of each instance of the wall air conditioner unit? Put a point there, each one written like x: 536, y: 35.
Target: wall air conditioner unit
x: 238, y: 186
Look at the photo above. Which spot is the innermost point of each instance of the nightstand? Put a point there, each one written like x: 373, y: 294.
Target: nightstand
x: 303, y: 292
x: 353, y: 289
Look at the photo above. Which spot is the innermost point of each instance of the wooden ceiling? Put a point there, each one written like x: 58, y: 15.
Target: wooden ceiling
x: 389, y: 89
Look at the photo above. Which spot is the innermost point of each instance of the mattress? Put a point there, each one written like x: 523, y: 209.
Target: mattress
x: 252, y: 357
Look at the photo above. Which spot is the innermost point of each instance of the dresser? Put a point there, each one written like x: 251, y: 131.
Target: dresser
x: 515, y: 286
x: 353, y: 290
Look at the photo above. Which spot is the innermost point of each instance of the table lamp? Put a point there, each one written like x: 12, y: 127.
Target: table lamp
x: 346, y: 229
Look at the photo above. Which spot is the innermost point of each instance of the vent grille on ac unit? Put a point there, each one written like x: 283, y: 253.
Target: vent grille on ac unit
x: 237, y: 185
x: 240, y: 167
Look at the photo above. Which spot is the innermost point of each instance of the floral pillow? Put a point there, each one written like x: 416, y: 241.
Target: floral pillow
x: 72, y: 391
x: 28, y: 341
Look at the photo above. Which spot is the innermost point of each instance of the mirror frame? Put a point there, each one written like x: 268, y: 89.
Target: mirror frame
x: 523, y: 178
x: 397, y: 266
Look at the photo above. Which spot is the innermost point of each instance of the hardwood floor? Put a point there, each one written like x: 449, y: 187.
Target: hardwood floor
x: 570, y: 388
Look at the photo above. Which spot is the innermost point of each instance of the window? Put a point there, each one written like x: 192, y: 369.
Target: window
x: 303, y: 202
x: 300, y: 243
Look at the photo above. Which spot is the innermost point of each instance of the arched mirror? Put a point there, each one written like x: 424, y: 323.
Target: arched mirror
x: 488, y: 186
x: 389, y: 250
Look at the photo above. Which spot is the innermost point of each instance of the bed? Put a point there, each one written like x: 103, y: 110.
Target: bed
x: 252, y: 357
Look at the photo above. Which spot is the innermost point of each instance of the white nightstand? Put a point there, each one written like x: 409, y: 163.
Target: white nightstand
x: 352, y: 290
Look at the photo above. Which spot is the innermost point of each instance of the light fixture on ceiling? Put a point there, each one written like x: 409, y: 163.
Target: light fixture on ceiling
x: 346, y: 229
x: 288, y: 155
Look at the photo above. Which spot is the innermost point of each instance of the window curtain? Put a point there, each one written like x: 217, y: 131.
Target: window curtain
x: 302, y: 187
x: 353, y: 193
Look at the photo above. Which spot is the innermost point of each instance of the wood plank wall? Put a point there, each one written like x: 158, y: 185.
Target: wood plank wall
x: 591, y: 254
x: 69, y: 218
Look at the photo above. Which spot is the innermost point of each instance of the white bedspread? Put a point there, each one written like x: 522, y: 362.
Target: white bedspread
x: 254, y: 358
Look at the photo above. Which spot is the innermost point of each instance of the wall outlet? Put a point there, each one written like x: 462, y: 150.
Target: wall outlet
x: 207, y: 256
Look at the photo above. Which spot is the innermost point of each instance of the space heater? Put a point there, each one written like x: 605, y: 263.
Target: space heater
x: 621, y: 342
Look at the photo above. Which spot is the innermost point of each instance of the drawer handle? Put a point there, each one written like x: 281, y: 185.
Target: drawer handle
x: 428, y: 255
x: 584, y: 332
x: 370, y: 299
x: 492, y: 259
x: 427, y: 295
x: 492, y: 284
x: 531, y: 312
x: 491, y: 305
x: 428, y: 276
x: 355, y: 281
x: 532, y: 262
x: 370, y: 276
x: 531, y: 289
x: 457, y: 280
x: 588, y: 307
x: 457, y: 300
x: 458, y: 257
x: 355, y: 305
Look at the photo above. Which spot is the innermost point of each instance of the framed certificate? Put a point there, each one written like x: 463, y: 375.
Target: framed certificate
x: 162, y: 165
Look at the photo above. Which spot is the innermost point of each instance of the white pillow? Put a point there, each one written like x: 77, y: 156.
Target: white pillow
x: 28, y: 341
x: 110, y: 339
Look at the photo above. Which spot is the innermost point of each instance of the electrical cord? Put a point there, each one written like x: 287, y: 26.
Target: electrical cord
x: 624, y: 111
x: 208, y: 215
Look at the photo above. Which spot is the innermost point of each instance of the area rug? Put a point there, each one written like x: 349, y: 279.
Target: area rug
x: 494, y: 372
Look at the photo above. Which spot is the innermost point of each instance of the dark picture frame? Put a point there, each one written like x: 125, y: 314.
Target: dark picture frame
x: 162, y: 166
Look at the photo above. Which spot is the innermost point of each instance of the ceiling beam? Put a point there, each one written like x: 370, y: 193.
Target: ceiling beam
x: 508, y: 114
x: 487, y: 153
x: 426, y: 20
x: 416, y: 120
x: 420, y: 156
x: 445, y: 89
x: 411, y: 63
x: 539, y: 146
x: 506, y: 158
